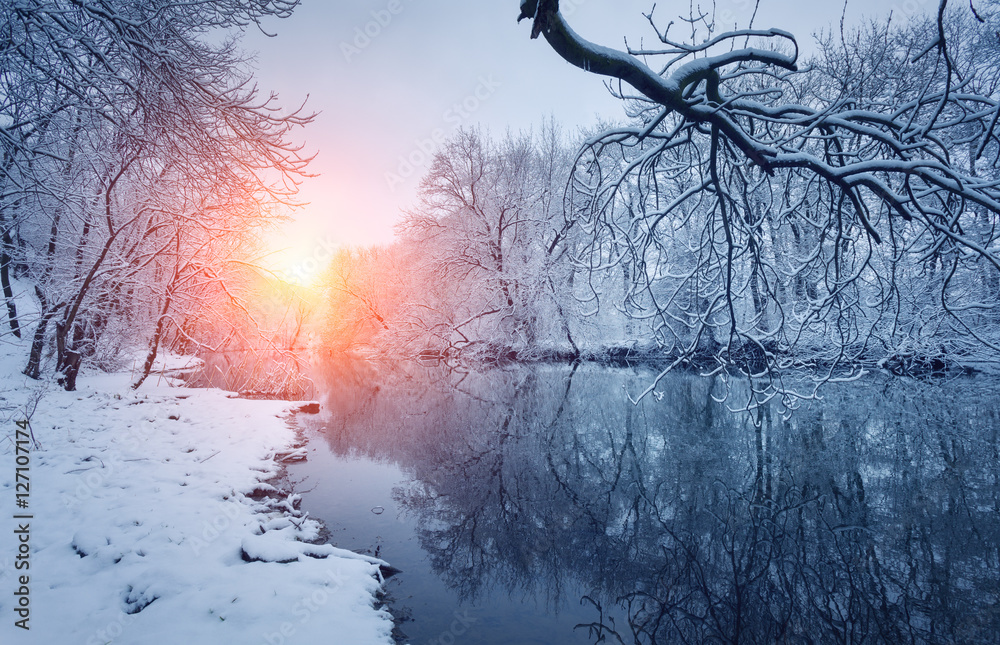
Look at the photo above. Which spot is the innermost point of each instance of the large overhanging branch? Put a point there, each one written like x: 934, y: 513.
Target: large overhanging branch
x: 761, y: 213
x: 668, y: 91
x: 904, y: 148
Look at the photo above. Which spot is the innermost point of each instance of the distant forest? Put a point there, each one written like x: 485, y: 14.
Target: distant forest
x: 750, y: 213
x: 841, y: 213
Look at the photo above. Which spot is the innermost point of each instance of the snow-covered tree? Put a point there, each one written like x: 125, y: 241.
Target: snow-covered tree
x: 769, y: 215
x: 137, y: 157
x: 484, y: 233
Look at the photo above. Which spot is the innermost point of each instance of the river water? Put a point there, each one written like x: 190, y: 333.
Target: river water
x: 536, y: 504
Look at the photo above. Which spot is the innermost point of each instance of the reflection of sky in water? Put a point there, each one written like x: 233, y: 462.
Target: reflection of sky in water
x: 872, y: 516
x: 343, y: 492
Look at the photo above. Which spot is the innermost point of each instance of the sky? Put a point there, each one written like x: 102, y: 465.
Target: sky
x: 390, y: 79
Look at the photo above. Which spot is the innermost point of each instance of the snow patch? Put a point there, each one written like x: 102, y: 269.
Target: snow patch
x: 156, y: 519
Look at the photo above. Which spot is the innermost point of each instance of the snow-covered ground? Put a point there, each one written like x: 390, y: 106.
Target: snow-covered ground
x: 146, y: 522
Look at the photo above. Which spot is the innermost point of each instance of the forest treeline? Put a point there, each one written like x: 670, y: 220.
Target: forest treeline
x: 139, y: 160
x: 661, y: 237
x: 751, y: 212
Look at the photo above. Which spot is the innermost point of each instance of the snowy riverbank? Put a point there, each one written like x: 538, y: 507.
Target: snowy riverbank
x: 145, y: 521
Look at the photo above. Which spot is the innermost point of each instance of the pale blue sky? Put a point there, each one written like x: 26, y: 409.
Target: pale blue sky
x: 424, y: 63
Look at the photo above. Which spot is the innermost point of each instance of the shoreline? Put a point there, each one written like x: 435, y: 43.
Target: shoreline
x: 384, y: 598
x: 160, y: 515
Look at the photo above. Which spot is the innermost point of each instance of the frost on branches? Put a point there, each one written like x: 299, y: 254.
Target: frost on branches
x: 764, y: 214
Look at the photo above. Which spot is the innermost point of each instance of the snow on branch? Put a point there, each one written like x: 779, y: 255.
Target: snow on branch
x: 766, y: 212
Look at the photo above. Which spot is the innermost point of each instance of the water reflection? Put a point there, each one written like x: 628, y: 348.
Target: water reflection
x: 870, y: 517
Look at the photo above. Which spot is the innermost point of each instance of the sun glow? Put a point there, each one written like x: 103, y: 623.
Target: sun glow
x: 300, y: 258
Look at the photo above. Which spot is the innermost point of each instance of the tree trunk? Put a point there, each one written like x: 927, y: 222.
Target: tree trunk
x: 38, y: 342
x: 154, y: 344
x: 33, y: 368
x: 8, y: 292
x: 70, y: 370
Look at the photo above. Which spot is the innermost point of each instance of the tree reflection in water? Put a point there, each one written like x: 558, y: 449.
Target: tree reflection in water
x: 872, y: 516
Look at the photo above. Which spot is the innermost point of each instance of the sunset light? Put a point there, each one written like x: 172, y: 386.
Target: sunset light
x: 554, y: 322
x: 303, y: 264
